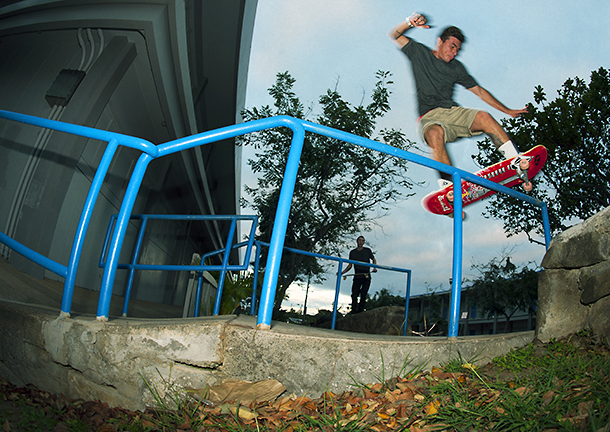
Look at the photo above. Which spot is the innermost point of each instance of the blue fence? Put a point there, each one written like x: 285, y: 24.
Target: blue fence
x: 225, y: 252
x: 225, y: 266
x: 340, y: 261
x: 151, y: 152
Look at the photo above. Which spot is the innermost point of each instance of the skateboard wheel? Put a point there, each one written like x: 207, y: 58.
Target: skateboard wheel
x: 450, y: 196
x: 528, y: 186
x: 524, y: 164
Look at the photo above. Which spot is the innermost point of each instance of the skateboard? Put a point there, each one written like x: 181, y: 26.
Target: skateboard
x: 366, y: 275
x: 510, y: 172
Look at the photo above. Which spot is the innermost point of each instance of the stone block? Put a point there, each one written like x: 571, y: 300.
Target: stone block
x: 386, y: 320
x: 595, y: 282
x: 559, y: 309
x: 579, y: 249
x: 599, y: 319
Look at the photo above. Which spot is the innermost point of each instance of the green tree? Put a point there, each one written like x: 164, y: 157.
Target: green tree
x: 341, y: 189
x: 236, y: 291
x: 575, y: 183
x: 383, y: 298
x: 503, y: 289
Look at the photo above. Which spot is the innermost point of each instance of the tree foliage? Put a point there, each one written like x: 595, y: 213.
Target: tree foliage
x: 575, y: 183
x: 340, y: 189
x: 384, y: 297
x: 503, y: 289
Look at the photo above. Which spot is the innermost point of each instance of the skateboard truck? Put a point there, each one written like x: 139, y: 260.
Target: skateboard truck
x: 449, y: 197
x: 522, y: 165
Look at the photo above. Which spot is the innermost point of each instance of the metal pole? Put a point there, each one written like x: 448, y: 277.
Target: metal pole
x: 407, y: 296
x: 337, y: 289
x: 276, y: 245
x: 103, y: 306
x: 456, y: 289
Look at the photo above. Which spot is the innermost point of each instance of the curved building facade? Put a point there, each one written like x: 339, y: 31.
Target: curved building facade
x: 158, y: 70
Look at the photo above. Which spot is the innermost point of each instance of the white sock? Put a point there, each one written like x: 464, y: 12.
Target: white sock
x: 508, y: 149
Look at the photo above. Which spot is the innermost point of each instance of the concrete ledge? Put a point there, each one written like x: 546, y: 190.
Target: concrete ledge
x: 83, y: 358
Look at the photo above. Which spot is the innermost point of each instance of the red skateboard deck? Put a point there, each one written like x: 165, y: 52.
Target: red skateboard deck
x: 505, y: 173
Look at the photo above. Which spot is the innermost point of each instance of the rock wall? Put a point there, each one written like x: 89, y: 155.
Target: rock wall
x: 386, y: 320
x: 574, y: 289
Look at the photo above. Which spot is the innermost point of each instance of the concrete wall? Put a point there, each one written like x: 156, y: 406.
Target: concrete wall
x: 574, y: 289
x: 84, y: 358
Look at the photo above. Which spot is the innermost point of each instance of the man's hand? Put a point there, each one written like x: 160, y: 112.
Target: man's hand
x: 417, y: 20
x: 397, y: 34
x: 514, y: 113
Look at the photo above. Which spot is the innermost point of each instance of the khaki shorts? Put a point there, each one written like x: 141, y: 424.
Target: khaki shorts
x: 455, y: 121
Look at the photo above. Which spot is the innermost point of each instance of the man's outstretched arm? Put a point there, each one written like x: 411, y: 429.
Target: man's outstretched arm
x: 492, y: 101
x: 397, y: 34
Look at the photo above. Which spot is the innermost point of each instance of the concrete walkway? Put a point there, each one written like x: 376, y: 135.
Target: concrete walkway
x: 111, y: 361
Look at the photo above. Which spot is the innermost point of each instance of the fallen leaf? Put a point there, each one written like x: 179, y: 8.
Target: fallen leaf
x: 402, y: 386
x: 376, y: 387
x: 585, y: 407
x: 328, y: 395
x: 432, y: 407
x: 401, y: 412
x: 548, y: 397
x: 244, y: 392
x: 243, y: 413
x: 520, y: 391
x: 390, y: 397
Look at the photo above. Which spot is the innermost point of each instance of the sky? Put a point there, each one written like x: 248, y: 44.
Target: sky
x: 511, y: 47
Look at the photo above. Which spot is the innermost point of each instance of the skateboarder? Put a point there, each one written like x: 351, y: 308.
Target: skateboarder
x: 362, y: 274
x: 436, y: 72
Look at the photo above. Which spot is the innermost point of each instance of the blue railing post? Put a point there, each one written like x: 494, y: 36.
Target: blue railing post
x: 546, y: 224
x: 225, y: 263
x: 114, y: 250
x: 257, y: 261
x: 337, y: 289
x: 456, y: 289
x: 81, y: 230
x: 134, y: 262
x: 407, y: 297
x: 274, y: 258
x: 198, y: 293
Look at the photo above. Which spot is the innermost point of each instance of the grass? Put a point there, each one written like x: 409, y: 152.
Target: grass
x: 560, y: 386
x: 564, y: 385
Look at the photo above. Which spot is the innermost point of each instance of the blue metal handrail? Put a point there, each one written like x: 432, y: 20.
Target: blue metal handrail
x: 298, y: 127
x: 114, y: 140
x: 133, y: 265
x: 340, y: 262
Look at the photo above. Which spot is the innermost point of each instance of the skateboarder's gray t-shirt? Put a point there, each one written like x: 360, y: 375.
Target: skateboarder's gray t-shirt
x: 435, y: 79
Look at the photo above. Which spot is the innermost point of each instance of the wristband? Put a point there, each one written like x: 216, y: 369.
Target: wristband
x: 408, y: 19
